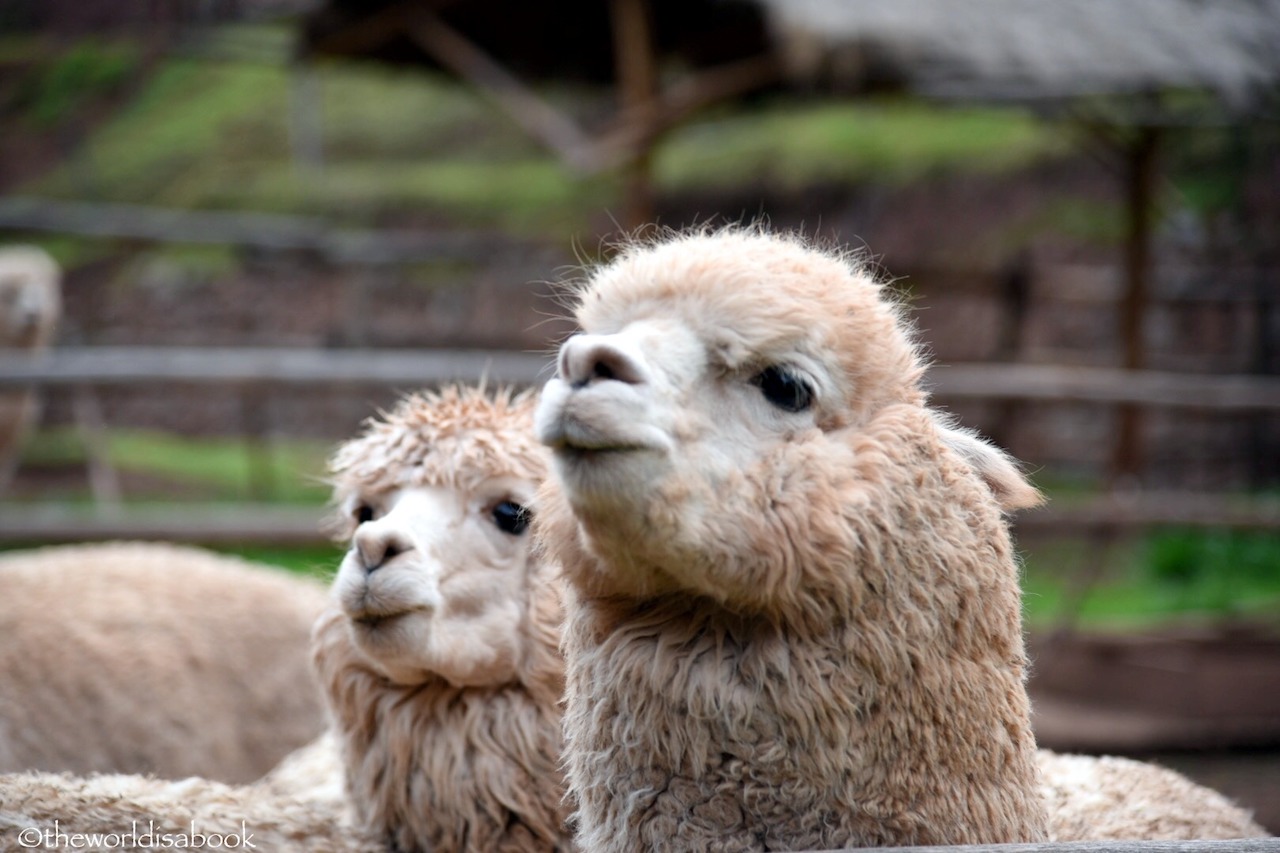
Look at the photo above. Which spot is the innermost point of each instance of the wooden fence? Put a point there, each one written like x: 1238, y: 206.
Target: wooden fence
x: 90, y: 367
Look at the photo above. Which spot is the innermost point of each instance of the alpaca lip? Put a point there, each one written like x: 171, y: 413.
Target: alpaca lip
x: 373, y: 621
x: 590, y: 451
x: 571, y: 438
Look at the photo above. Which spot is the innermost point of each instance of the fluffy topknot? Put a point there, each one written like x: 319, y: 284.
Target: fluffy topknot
x: 453, y: 437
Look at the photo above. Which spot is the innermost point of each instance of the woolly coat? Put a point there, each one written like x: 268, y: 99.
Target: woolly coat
x: 127, y: 810
x: 1117, y: 799
x: 154, y: 658
x: 433, y: 766
x: 844, y: 665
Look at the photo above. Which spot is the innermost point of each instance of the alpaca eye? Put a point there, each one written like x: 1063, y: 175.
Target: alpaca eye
x: 783, y: 389
x: 363, y: 513
x: 511, y: 517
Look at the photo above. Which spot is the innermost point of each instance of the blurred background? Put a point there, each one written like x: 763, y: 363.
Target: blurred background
x: 271, y: 217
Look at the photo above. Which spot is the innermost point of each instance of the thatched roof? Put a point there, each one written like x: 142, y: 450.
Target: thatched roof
x: 1026, y: 50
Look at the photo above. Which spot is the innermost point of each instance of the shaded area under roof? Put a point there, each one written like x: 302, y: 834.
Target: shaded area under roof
x: 566, y: 40
x: 974, y: 50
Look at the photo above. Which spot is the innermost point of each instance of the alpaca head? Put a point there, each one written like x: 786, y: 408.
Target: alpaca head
x: 433, y: 499
x: 29, y: 296
x: 718, y: 375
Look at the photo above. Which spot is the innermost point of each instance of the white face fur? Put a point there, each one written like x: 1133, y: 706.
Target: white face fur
x: 662, y: 412
x: 434, y: 581
x: 28, y: 296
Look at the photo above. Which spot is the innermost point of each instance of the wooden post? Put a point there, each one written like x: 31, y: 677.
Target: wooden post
x: 306, y: 119
x: 1015, y: 300
x: 637, y: 77
x: 1264, y: 428
x: 1126, y: 459
x: 255, y: 420
x: 104, y: 482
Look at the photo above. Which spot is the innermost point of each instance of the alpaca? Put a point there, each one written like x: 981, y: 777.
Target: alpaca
x: 30, y: 303
x: 793, y: 618
x: 438, y: 656
x: 153, y: 658
x: 1118, y: 799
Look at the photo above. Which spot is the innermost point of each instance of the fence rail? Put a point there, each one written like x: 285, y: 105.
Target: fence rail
x: 266, y: 231
x: 266, y: 366
x: 86, y: 367
x: 280, y: 365
x: 220, y: 524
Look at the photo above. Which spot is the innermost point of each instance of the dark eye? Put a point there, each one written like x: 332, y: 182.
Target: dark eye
x: 363, y: 513
x: 783, y: 389
x: 511, y: 517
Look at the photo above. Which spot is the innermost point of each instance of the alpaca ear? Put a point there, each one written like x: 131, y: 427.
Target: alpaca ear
x: 997, y: 469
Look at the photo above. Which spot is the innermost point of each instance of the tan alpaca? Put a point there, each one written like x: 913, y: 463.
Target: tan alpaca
x: 794, y: 618
x: 153, y: 658
x: 439, y: 655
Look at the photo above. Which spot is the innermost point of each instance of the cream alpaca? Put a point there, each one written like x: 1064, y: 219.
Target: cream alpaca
x: 794, y: 619
x: 30, y: 302
x: 438, y: 656
x: 227, y: 816
x: 151, y: 658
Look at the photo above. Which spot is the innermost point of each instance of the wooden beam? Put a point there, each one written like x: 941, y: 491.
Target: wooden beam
x: 1142, y: 156
x: 632, y: 131
x: 271, y: 523
x: 272, y: 232
x: 370, y: 33
x: 528, y: 109
x: 64, y: 366
x: 249, y: 366
x: 1058, y: 384
x: 1119, y: 512
x: 636, y: 73
x: 242, y: 523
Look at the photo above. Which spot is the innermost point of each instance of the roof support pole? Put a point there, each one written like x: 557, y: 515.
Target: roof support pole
x: 1142, y: 172
x: 637, y: 77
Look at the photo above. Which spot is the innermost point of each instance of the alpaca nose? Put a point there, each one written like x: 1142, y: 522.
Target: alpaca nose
x: 376, y: 545
x: 585, y: 359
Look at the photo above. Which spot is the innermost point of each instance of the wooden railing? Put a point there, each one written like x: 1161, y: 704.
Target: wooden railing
x: 91, y: 367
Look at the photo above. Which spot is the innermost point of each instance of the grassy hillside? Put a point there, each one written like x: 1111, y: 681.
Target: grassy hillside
x: 186, y: 131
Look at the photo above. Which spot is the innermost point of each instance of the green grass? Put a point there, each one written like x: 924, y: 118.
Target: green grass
x: 319, y: 562
x: 206, y: 469
x: 192, y: 126
x: 207, y: 134
x: 894, y: 141
x: 1168, y: 575
x: 67, y: 80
